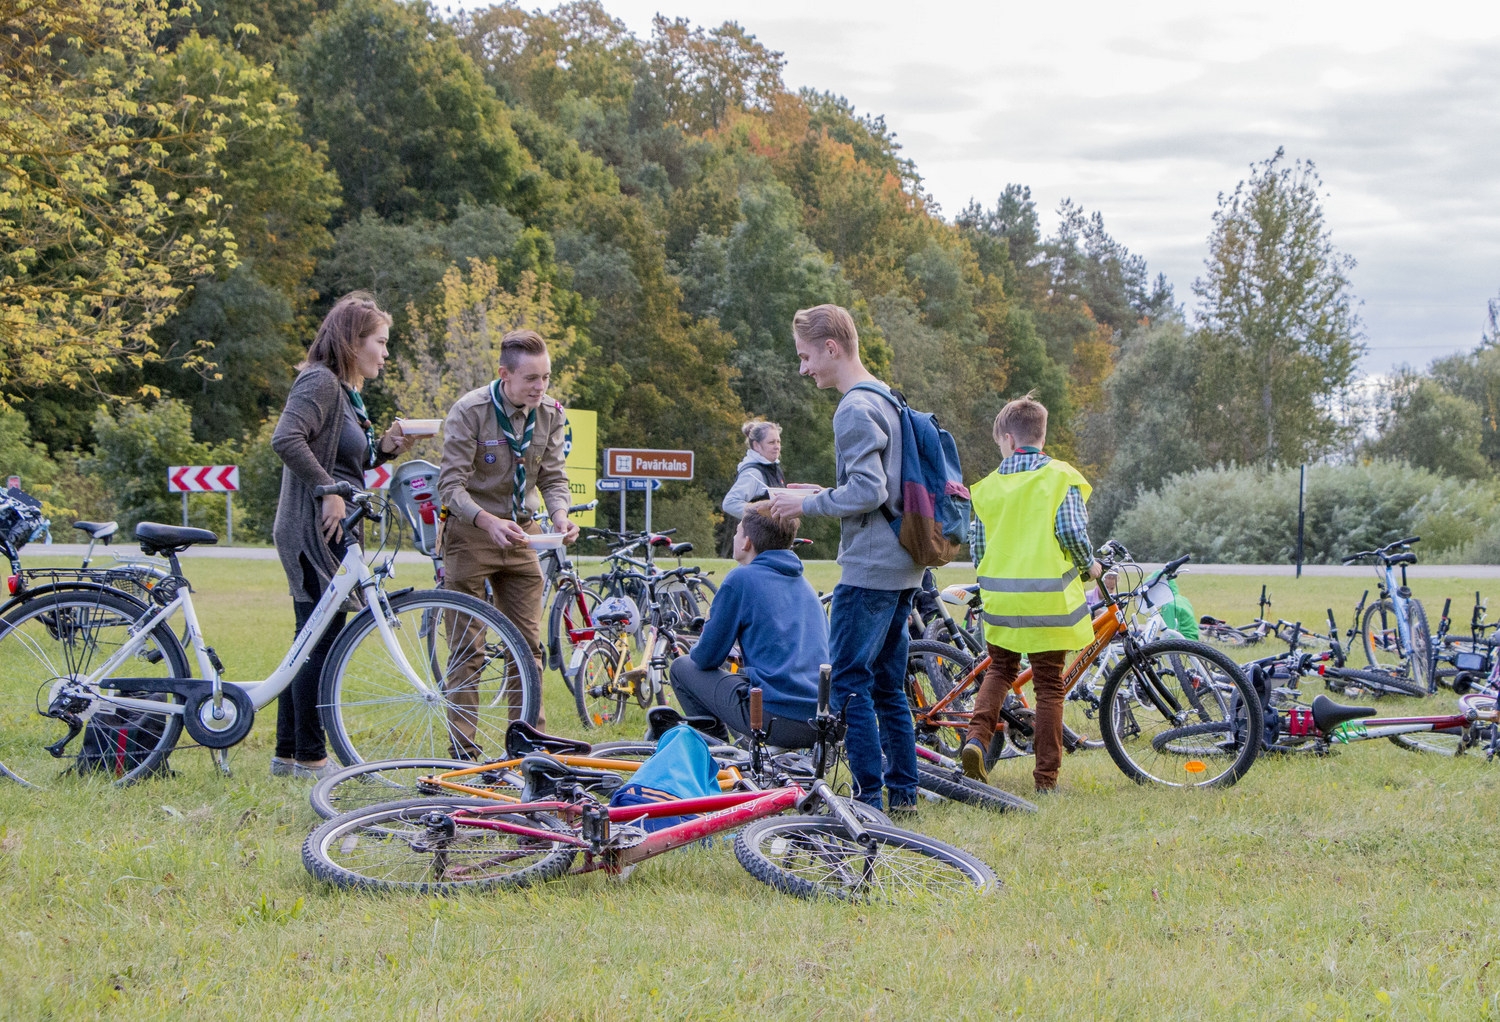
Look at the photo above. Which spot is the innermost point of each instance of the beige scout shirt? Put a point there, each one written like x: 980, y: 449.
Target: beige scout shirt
x: 468, y: 483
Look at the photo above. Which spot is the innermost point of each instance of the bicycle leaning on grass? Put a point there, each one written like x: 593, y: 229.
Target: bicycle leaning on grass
x: 1394, y: 628
x: 69, y: 657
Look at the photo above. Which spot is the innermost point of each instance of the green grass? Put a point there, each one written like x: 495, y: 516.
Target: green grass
x: 1354, y: 886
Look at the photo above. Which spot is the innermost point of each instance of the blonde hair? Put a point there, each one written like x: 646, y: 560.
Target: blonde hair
x: 758, y: 430
x: 827, y: 322
x: 1025, y: 418
x: 352, y: 318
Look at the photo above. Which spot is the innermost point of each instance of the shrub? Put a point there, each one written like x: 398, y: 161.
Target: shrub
x: 132, y: 455
x: 1249, y: 516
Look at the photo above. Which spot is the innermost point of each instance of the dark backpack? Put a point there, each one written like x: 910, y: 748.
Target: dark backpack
x: 933, y: 525
x: 119, y: 741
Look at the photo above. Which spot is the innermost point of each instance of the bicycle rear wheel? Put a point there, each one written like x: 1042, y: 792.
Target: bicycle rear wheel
x: 48, y: 645
x: 363, y: 785
x: 1381, y: 636
x: 957, y: 788
x: 598, y: 692
x: 813, y: 856
x: 1377, y: 683
x: 415, y: 846
x: 932, y: 671
x: 1181, y: 714
x: 476, y: 674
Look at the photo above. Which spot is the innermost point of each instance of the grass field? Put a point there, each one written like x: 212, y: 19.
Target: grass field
x: 1349, y: 887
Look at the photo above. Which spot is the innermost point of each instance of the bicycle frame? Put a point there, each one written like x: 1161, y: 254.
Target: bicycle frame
x: 715, y: 814
x: 452, y: 780
x: 1400, y: 605
x: 355, y: 574
x: 1300, y: 725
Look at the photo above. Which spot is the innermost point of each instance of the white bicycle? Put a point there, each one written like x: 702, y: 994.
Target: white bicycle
x: 97, y: 679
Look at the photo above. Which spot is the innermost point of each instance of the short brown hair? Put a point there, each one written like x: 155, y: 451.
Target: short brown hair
x: 826, y: 322
x: 352, y: 318
x: 1025, y: 418
x: 765, y: 531
x: 520, y: 342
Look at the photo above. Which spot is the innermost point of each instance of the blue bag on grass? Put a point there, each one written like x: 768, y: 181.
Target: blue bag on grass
x: 681, y: 767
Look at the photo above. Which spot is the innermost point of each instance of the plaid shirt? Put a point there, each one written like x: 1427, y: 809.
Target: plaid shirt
x: 1071, y: 526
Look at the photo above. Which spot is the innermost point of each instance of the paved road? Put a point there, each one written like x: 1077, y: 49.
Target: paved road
x: 413, y: 557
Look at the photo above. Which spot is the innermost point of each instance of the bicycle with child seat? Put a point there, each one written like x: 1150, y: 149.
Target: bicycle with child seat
x: 1154, y: 686
x: 1393, y: 629
x: 441, y: 846
x: 69, y: 656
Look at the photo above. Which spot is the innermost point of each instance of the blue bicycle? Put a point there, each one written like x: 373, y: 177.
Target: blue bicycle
x: 1394, y: 628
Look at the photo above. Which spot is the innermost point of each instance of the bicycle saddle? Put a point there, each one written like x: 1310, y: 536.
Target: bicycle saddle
x: 521, y: 739
x: 1328, y: 714
x: 98, y: 530
x: 163, y: 539
x: 545, y: 778
x: 661, y: 719
x: 613, y: 617
x: 678, y: 549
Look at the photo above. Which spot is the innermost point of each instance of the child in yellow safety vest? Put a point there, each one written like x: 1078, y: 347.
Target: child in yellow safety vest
x: 1031, y: 580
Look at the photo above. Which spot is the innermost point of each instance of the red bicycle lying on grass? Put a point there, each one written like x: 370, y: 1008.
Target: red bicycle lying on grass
x: 442, y: 845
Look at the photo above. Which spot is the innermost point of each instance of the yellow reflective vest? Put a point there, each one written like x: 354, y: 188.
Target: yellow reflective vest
x: 1033, y: 596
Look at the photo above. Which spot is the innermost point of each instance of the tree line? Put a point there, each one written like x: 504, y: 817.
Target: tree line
x: 188, y: 186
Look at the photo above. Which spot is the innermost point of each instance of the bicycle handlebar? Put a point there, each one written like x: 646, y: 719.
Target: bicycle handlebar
x: 1382, y: 552
x: 825, y: 688
x: 344, y: 490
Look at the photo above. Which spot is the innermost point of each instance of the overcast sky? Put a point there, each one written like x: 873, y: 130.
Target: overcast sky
x: 1147, y: 111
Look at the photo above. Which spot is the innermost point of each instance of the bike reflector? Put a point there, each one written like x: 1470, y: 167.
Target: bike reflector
x: 13, y: 583
x: 1195, y: 766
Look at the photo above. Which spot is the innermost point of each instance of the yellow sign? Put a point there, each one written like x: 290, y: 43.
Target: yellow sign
x: 581, y: 458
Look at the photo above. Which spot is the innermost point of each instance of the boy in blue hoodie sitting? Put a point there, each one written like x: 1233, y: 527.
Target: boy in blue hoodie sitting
x: 772, y: 612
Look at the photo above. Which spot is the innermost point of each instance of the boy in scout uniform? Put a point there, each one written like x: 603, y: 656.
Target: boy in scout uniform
x: 502, y: 456
x: 1033, y: 512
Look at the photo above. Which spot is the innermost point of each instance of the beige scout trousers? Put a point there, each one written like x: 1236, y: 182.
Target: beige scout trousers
x: 471, y: 558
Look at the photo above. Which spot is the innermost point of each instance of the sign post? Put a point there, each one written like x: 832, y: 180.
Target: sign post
x: 225, y: 479
x: 1301, y: 514
x: 649, y: 468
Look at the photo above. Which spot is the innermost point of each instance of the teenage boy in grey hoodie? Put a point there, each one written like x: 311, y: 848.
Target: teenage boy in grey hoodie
x: 867, y: 628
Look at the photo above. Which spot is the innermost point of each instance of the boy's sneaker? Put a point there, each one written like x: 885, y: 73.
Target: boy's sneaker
x: 902, y: 810
x: 282, y: 767
x: 972, y: 755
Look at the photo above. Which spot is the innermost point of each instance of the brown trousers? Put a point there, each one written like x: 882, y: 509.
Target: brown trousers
x: 1047, y: 682
x: 514, y: 575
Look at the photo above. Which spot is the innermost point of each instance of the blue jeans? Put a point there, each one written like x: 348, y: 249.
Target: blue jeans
x: 867, y: 641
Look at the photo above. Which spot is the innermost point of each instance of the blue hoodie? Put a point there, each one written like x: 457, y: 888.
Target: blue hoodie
x: 771, y: 611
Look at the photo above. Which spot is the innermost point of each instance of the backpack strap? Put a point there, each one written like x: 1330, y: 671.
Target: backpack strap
x: 898, y: 399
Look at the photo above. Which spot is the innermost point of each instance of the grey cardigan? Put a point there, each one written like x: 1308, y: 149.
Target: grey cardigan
x: 307, y: 440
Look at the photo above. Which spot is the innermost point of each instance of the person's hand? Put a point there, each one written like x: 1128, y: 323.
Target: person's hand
x: 502, y: 531
x: 1096, y: 569
x: 788, y: 505
x: 394, y: 442
x: 331, y: 521
x: 563, y: 524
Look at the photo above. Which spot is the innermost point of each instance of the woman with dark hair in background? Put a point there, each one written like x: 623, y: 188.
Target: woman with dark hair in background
x: 324, y: 437
x: 758, y: 471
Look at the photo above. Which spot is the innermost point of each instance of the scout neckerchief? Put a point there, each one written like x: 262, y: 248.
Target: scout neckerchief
x: 518, y: 447
x: 363, y: 418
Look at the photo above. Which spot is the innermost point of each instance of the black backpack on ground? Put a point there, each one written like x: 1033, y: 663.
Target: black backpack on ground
x: 120, y: 740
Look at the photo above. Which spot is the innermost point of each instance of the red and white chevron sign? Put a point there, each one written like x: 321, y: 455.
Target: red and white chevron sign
x: 203, y: 479
x: 377, y: 478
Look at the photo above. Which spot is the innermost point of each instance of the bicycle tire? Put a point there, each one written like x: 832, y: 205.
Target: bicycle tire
x: 811, y: 857
x: 937, y: 630
x: 371, y: 711
x: 569, y: 627
x: 1381, y: 638
x: 61, y: 633
x: 1422, y: 660
x: 1227, y: 634
x: 1378, y: 683
x: 932, y: 669
x: 595, y: 695
x: 1433, y: 743
x: 358, y: 787
x: 379, y: 834
x: 958, y: 788
x: 1137, y: 705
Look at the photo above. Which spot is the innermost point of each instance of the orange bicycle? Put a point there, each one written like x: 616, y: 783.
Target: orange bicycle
x: 1149, y: 688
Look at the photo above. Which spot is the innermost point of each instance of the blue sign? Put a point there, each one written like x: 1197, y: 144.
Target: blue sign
x: 611, y: 484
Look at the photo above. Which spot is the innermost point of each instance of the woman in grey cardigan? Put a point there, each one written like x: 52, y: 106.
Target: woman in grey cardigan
x: 324, y: 437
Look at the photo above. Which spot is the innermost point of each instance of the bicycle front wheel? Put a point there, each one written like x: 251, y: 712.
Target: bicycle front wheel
x: 50, y: 648
x: 455, y: 676
x: 416, y: 846
x: 957, y: 788
x: 1181, y: 714
x: 570, y: 625
x: 813, y: 856
x: 933, y: 669
x: 1381, y: 636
